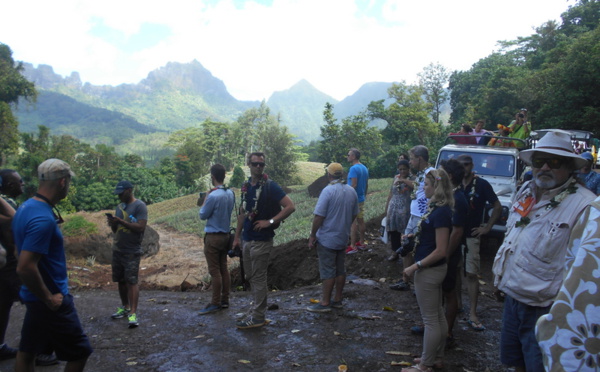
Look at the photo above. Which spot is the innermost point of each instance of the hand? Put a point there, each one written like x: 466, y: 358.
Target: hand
x: 55, y: 301
x: 312, y: 241
x: 236, y: 242
x: 409, y: 271
x: 261, y: 224
x: 478, y: 231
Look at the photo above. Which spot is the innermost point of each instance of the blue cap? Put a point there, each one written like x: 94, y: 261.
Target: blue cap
x: 122, y: 186
x: 588, y: 156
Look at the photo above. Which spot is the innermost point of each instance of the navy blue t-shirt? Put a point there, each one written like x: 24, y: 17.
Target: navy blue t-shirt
x: 271, y: 195
x: 440, y: 217
x: 476, y: 202
x: 459, y: 215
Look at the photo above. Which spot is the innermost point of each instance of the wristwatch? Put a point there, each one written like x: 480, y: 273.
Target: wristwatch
x: 271, y: 221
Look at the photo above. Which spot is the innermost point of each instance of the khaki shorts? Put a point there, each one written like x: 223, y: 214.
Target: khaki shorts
x: 473, y: 262
x: 361, y: 210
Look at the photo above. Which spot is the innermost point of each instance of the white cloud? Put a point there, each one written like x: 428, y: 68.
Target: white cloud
x: 337, y: 45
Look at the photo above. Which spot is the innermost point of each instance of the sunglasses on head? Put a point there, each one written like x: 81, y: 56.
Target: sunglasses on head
x: 553, y: 163
x: 257, y: 163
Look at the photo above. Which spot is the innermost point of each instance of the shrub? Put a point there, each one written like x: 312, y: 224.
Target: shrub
x: 76, y: 225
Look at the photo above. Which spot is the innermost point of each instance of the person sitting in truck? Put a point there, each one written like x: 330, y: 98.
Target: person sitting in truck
x: 463, y: 136
x: 503, y: 131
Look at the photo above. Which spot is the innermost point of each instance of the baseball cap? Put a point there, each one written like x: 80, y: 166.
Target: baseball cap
x: 335, y: 169
x: 54, y: 169
x: 588, y: 156
x: 122, y: 186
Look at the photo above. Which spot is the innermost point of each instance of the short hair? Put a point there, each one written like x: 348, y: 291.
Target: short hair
x: 442, y: 188
x: 403, y: 162
x: 467, y: 127
x: 355, y: 152
x: 5, y: 174
x: 218, y: 171
x: 420, y: 151
x: 464, y: 157
x: 480, y: 121
x: 455, y: 170
x: 258, y: 154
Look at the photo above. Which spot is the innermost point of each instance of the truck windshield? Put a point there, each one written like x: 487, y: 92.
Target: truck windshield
x: 486, y: 164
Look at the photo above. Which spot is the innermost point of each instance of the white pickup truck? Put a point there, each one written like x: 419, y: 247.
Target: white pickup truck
x: 500, y: 166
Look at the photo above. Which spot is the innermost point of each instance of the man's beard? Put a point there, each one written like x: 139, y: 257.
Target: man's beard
x: 547, y: 183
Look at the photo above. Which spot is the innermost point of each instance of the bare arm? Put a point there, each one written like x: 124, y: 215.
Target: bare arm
x: 29, y: 273
x: 478, y: 231
x: 316, y: 225
x: 288, y: 208
x: 442, y: 235
x: 6, y: 212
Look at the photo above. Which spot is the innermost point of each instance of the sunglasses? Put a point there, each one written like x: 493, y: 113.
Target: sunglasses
x: 257, y: 163
x: 553, y: 163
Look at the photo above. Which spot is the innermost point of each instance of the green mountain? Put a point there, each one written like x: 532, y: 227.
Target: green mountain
x: 301, y: 109
x: 138, y: 117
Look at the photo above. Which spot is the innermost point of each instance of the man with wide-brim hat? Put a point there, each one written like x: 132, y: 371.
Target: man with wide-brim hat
x: 529, y: 266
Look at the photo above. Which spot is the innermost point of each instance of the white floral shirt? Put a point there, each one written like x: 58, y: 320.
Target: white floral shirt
x: 569, y: 335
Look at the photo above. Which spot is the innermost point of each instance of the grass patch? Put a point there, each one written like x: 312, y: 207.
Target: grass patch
x: 181, y: 213
x: 77, y: 225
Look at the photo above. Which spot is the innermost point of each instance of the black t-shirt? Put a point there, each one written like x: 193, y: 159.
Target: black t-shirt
x: 476, y: 200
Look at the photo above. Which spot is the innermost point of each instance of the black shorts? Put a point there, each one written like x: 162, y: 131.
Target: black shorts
x: 126, y: 267
x: 44, y: 330
x: 10, y: 285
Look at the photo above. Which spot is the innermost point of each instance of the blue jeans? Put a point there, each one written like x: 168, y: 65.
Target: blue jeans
x: 518, y: 345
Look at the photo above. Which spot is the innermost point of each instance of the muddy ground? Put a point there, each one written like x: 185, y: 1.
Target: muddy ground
x: 173, y: 337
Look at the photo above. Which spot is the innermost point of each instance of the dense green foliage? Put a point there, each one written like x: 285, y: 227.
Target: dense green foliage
x: 13, y: 86
x: 554, y: 73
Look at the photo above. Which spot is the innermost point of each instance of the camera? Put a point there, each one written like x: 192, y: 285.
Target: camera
x: 408, y: 245
x: 521, y: 116
x: 235, y: 252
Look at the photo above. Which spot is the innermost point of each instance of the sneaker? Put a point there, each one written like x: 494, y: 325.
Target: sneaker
x: 351, y: 250
x: 133, y: 321
x: 7, y: 352
x: 249, y: 323
x: 337, y: 304
x: 224, y: 305
x: 318, y: 308
x: 400, y: 286
x: 45, y: 360
x: 121, y: 313
x: 360, y: 246
x: 209, y: 309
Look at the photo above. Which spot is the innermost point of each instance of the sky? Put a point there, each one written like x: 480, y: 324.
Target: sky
x: 257, y: 47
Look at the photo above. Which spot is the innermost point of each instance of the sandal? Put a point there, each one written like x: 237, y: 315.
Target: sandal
x: 438, y: 364
x: 476, y: 325
x: 417, y: 368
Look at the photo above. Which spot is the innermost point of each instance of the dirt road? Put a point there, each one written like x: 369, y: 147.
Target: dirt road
x: 375, y: 321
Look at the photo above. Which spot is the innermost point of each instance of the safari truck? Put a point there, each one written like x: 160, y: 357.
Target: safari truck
x: 500, y: 166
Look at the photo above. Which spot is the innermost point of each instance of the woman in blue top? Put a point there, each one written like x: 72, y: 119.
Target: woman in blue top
x: 431, y: 244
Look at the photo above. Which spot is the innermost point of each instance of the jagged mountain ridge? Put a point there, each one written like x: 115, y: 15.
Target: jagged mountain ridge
x: 180, y: 95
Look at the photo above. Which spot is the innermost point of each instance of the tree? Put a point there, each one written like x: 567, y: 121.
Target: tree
x: 13, y: 86
x: 434, y: 79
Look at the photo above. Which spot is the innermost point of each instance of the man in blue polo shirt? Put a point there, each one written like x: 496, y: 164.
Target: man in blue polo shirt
x: 51, y: 320
x: 216, y: 210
